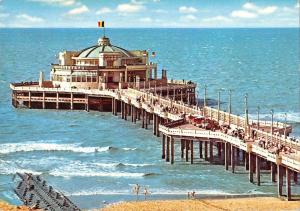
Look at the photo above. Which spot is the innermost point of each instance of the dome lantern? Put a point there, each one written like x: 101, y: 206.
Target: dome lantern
x: 104, y: 41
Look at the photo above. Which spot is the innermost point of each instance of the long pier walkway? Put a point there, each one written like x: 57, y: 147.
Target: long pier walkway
x: 174, y: 115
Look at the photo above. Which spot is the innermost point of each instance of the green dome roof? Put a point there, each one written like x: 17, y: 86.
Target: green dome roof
x: 103, y: 46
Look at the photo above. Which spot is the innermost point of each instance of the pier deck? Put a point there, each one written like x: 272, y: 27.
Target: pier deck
x: 172, y: 113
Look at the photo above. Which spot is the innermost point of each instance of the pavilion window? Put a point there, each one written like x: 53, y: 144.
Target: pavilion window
x: 83, y: 78
x: 89, y: 79
x: 94, y: 78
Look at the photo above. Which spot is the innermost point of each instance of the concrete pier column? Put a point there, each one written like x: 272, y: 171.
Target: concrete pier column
x: 131, y: 112
x: 146, y: 119
x: 219, y: 146
x: 187, y: 146
x: 143, y: 118
x: 43, y: 104
x: 205, y: 150
x: 258, y: 170
x: 200, y: 149
x: 172, y: 150
x: 233, y: 151
x: 182, y: 142
x: 112, y: 105
x: 163, y: 153
x: 134, y: 114
x: 295, y: 177
x: 279, y: 179
x: 251, y: 167
x: 72, y: 101
x: 29, y: 99
x: 273, y: 172
x: 158, y: 120
x: 129, y: 109
x: 288, y: 184
x: 211, y: 151
x: 246, y: 161
x: 192, y: 151
x: 57, y: 100
x: 122, y: 110
x: 226, y: 155
x: 125, y: 111
x: 237, y: 153
x: 154, y: 124
x: 168, y: 149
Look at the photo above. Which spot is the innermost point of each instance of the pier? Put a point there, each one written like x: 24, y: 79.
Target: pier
x: 170, y: 109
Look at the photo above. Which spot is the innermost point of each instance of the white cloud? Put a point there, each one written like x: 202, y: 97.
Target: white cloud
x: 104, y: 10
x: 260, y: 10
x: 129, y: 8
x: 79, y: 10
x: 29, y: 19
x: 242, y: 14
x: 188, y: 18
x: 267, y: 10
x: 297, y: 5
x: 146, y: 20
x: 57, y: 2
x: 187, y: 10
x: 217, y: 19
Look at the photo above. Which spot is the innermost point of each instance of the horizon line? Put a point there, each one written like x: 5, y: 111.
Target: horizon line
x: 231, y: 27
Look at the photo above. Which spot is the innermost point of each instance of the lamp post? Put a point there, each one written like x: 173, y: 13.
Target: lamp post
x: 258, y: 110
x: 246, y: 114
x: 272, y: 116
x: 229, y: 106
x: 205, y: 95
x: 219, y: 99
x: 285, y: 123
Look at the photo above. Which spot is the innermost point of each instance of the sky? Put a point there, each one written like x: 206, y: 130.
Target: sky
x: 149, y: 13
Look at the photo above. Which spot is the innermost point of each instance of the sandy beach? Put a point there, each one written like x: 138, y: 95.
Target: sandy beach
x: 4, y: 206
x: 241, y: 204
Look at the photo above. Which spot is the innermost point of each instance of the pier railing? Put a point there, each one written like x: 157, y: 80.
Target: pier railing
x: 246, y: 146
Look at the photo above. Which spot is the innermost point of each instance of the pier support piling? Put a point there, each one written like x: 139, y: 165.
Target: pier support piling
x: 279, y: 180
x: 168, y: 149
x: 200, y: 149
x: 163, y: 154
x: 251, y: 167
x: 226, y: 155
x: 172, y: 150
x: 233, y: 150
x: 273, y: 172
x: 258, y: 162
x: 187, y: 150
x: 192, y: 151
x: 288, y: 184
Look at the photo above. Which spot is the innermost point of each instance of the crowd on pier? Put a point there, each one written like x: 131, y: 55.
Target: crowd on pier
x: 273, y: 146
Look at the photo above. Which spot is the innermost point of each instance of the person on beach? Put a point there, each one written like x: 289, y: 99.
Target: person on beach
x: 188, y: 195
x: 136, y: 190
x: 146, y: 192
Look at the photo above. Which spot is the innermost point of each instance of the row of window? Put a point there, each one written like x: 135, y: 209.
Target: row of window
x: 75, y: 78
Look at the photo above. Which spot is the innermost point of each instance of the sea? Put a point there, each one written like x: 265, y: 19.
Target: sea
x: 96, y: 158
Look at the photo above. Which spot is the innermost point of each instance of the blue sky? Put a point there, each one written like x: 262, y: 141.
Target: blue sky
x: 149, y: 13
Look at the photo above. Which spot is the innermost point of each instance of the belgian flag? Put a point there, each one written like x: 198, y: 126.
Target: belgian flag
x: 100, y: 24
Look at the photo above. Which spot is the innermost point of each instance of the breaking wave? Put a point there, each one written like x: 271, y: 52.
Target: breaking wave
x: 42, y: 146
x: 10, y: 168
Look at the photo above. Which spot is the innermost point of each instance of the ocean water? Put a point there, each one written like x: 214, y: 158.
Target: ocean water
x: 61, y: 145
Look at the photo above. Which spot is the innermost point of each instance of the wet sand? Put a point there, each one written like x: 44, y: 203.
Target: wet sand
x: 240, y: 204
x: 4, y: 206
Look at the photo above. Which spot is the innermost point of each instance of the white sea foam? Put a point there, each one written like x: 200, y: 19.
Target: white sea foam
x: 90, y: 169
x: 59, y: 173
x: 43, y: 146
x: 9, y: 168
x: 91, y: 192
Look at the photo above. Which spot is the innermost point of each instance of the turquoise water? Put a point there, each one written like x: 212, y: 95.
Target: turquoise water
x: 61, y: 144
